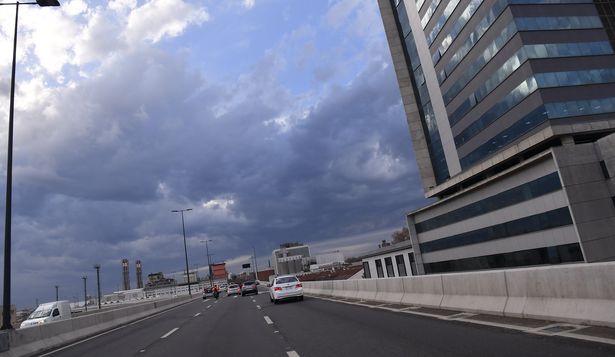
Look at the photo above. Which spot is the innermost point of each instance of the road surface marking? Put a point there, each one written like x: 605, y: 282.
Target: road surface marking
x: 208, y: 306
x: 169, y: 333
x: 110, y: 331
x: 215, y: 302
x: 268, y: 320
x: 253, y: 300
x: 258, y: 307
x: 235, y: 297
x: 292, y: 354
x: 197, y: 314
x: 141, y: 351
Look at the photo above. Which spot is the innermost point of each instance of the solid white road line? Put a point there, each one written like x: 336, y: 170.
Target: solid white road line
x: 292, y: 354
x: 197, y: 314
x: 268, y: 320
x: 169, y: 333
x: 108, y: 332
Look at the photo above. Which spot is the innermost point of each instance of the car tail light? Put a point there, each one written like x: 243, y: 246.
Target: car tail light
x: 299, y: 285
x: 277, y: 288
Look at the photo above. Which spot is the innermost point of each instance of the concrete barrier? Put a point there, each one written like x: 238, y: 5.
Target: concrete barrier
x: 475, y: 292
x: 423, y: 290
x: 577, y: 293
x: 33, y: 340
x: 367, y: 289
x: 583, y: 294
x: 350, y: 289
x: 390, y: 290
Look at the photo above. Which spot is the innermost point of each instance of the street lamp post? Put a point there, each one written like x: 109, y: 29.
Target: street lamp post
x: 97, y: 267
x: 208, y: 261
x: 85, y: 292
x: 57, y: 292
x: 185, y: 249
x: 6, y: 298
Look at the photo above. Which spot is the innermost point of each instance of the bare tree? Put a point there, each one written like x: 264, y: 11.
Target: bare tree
x: 401, y: 235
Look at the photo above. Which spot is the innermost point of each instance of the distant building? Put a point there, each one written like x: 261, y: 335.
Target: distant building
x: 156, y: 280
x: 264, y: 275
x: 330, y: 257
x: 291, y: 258
x: 139, y: 274
x: 390, y: 261
x: 125, y: 274
x: 218, y: 271
x: 193, y: 277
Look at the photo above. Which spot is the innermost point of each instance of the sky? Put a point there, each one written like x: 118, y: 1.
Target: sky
x: 274, y: 120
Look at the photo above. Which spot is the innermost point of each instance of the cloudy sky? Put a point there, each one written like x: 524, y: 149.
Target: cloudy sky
x: 274, y: 120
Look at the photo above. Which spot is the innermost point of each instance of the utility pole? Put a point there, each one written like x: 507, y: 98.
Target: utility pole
x: 85, y: 292
x: 185, y: 249
x: 97, y: 267
x: 255, y: 265
x: 57, y: 292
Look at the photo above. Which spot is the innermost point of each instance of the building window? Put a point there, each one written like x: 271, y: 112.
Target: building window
x: 388, y: 262
x: 549, y: 255
x: 412, y: 263
x: 379, y: 270
x: 366, y: 273
x: 401, y: 265
x: 534, y: 223
x: 541, y: 186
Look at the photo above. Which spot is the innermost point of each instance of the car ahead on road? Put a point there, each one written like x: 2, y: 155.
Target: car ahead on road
x: 207, y: 292
x: 285, y: 287
x: 233, y: 289
x: 249, y: 287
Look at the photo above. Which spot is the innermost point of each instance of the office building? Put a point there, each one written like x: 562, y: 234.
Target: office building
x: 291, y: 258
x: 511, y: 110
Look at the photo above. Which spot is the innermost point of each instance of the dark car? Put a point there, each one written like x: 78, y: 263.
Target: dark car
x: 207, y: 292
x: 249, y: 287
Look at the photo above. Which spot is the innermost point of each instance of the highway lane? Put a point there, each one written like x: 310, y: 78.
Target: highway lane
x: 314, y: 327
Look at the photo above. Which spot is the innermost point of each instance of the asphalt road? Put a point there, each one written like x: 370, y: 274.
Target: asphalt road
x: 238, y: 326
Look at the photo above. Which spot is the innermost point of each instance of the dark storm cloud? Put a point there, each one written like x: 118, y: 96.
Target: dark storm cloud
x: 148, y: 134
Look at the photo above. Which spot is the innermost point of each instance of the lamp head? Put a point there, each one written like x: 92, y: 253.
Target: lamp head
x: 44, y: 3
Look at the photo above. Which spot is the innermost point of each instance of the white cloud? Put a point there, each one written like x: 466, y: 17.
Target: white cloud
x: 248, y: 4
x: 158, y: 19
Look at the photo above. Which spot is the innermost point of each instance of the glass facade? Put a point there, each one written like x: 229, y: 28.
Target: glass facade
x: 465, y: 16
x: 388, y: 262
x: 575, y: 108
x: 428, y: 119
x: 534, y: 223
x: 401, y: 265
x: 527, y: 191
x: 367, y: 274
x: 412, y: 263
x: 448, y: 10
x: 379, y: 270
x: 567, y: 253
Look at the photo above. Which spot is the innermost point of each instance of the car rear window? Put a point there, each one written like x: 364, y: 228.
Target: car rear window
x: 233, y: 286
x: 248, y: 283
x: 289, y: 279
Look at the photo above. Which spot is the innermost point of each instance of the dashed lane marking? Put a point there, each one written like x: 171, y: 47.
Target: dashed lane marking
x: 258, y: 307
x: 169, y: 333
x: 208, y: 306
x: 268, y: 320
x: 253, y: 300
x: 142, y: 351
x: 292, y: 354
x: 197, y: 314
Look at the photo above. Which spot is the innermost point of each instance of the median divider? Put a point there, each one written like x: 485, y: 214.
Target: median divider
x: 575, y: 293
x: 423, y: 290
x: 475, y: 292
x: 33, y: 340
x: 389, y: 290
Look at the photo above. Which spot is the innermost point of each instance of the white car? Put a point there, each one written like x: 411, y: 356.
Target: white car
x: 285, y: 287
x: 233, y: 289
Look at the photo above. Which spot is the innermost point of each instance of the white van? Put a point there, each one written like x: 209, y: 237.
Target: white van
x: 48, y: 312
